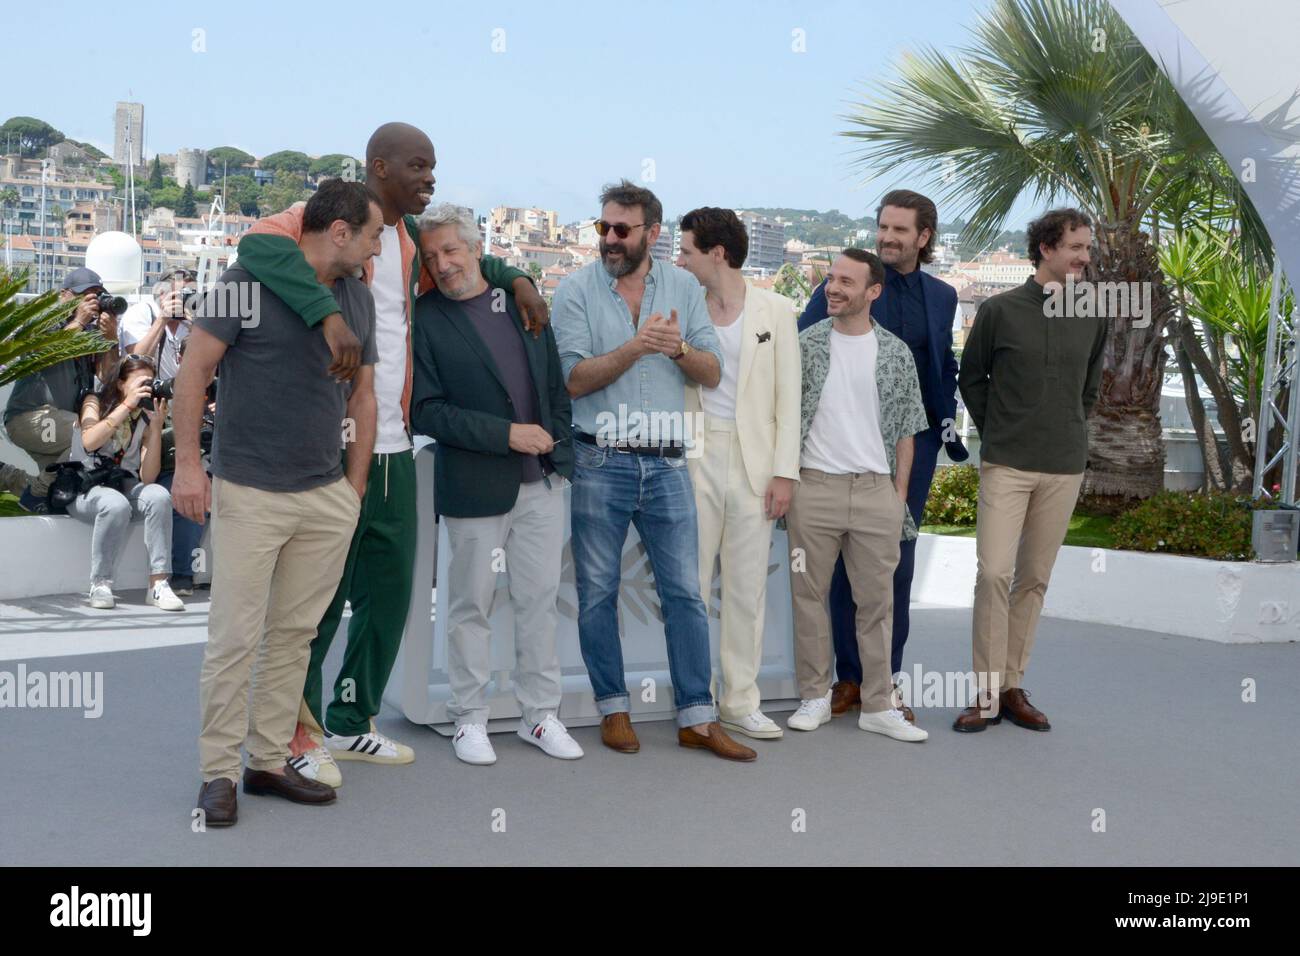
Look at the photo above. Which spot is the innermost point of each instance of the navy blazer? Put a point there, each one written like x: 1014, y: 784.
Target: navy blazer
x: 939, y: 386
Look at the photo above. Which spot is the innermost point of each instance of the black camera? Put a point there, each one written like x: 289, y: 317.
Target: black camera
x: 190, y: 298
x: 112, y: 304
x: 159, y: 388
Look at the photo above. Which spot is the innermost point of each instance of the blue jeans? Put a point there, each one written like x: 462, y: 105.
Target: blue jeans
x: 612, y: 489
x: 844, y: 634
x: 186, y: 535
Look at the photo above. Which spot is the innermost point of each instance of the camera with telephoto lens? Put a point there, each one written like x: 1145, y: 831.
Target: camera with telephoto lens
x: 112, y: 304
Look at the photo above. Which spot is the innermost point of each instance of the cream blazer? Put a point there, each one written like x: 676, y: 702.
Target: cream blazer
x: 767, y: 391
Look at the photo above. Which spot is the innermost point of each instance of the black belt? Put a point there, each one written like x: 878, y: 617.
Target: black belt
x: 659, y: 451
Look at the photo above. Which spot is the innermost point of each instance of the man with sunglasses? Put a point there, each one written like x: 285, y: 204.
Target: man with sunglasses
x: 627, y: 367
x: 157, y: 326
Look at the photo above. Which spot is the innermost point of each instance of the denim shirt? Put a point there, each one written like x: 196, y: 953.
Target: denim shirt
x: 590, y: 318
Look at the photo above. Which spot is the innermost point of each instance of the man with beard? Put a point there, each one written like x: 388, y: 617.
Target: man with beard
x: 627, y: 368
x: 381, y: 560
x: 919, y: 309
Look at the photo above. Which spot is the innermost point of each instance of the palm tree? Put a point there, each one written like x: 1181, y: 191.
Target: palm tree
x: 1057, y: 100
x: 32, y: 333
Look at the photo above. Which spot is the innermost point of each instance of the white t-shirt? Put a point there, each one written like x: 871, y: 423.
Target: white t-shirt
x: 720, y: 402
x: 135, y: 324
x: 390, y: 343
x: 845, y: 438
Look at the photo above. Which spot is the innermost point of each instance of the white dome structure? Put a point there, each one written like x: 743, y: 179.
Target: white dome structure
x: 117, y: 258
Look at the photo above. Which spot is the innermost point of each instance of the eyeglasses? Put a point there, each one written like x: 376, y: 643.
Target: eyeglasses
x: 621, y: 229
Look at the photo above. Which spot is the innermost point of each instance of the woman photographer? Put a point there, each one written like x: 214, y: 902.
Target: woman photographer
x: 121, y: 448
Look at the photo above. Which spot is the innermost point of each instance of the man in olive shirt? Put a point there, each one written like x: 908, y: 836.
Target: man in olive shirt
x: 1029, y: 377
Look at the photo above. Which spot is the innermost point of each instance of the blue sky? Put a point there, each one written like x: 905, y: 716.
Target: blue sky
x: 582, y: 93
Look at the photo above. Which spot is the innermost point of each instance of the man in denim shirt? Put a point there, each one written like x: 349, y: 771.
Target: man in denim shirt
x: 633, y: 334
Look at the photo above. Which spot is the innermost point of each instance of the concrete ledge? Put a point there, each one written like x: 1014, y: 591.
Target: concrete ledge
x: 50, y: 554
x: 1232, y: 602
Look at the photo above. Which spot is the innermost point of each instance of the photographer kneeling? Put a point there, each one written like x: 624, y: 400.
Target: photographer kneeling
x: 120, y: 448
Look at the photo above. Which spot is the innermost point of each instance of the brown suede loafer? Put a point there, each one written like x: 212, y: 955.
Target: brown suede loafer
x: 973, y: 719
x: 217, y: 801
x: 717, y: 741
x: 291, y: 785
x: 616, y: 733
x: 1015, y: 704
x: 845, y: 695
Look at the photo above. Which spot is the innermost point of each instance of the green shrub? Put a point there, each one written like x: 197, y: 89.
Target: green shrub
x: 954, y: 496
x: 1213, y: 525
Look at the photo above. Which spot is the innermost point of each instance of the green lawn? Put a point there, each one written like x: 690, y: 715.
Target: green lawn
x: 1086, y: 531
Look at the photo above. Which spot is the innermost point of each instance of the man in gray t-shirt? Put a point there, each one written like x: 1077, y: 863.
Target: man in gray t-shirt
x: 280, y: 418
x: 283, y: 506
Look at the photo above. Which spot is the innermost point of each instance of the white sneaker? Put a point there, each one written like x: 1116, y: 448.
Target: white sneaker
x: 163, y: 597
x: 811, y: 713
x: 892, y: 723
x: 757, y: 725
x: 318, y: 764
x: 551, y: 736
x: 101, y: 595
x: 372, y: 747
x: 472, y: 745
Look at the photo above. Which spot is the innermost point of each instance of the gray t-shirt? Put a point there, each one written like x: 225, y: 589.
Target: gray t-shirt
x: 499, y: 333
x: 279, y: 421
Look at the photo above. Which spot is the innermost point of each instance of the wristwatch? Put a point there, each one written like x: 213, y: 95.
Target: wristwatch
x: 684, y: 351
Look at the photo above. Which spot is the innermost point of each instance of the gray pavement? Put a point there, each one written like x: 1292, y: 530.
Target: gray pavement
x: 1149, y: 728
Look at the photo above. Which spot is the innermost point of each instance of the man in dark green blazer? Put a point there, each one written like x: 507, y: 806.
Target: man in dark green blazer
x: 493, y: 397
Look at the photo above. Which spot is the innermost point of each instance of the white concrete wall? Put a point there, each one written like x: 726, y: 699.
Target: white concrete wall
x: 1233, y: 602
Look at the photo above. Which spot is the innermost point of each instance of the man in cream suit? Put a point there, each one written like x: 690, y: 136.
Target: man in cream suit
x: 744, y: 475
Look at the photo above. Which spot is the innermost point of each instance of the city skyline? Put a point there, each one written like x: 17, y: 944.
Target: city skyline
x: 743, y: 112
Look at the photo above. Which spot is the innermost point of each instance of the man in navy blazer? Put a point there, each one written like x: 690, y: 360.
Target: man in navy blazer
x: 919, y: 309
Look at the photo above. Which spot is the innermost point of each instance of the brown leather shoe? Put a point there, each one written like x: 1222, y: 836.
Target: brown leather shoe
x: 974, y: 719
x: 1015, y: 704
x: 845, y: 695
x: 217, y: 801
x: 717, y: 741
x: 291, y: 785
x: 616, y: 733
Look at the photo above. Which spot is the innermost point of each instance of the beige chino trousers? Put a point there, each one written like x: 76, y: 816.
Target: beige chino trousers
x: 279, y: 557
x: 1021, y: 522
x: 862, y: 517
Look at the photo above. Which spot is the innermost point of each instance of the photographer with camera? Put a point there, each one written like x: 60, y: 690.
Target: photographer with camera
x: 119, y: 447
x: 158, y: 326
x: 42, y: 409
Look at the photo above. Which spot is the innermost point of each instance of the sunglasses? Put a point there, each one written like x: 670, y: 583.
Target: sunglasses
x: 620, y: 229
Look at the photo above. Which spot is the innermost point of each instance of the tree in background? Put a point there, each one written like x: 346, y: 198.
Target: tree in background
x: 29, y: 134
x: 1057, y: 100
x: 187, y: 207
x: 156, y: 174
x: 230, y: 158
x: 290, y: 161
x: 337, y: 165
x: 242, y: 194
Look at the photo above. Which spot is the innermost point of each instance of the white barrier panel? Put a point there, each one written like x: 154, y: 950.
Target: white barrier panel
x: 419, y: 683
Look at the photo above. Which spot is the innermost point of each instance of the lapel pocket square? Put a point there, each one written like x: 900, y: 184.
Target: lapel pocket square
x: 764, y: 336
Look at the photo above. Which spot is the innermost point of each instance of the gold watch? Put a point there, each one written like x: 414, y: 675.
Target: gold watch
x: 684, y: 351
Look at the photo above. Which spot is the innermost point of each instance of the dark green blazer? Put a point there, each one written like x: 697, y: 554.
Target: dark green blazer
x: 459, y: 399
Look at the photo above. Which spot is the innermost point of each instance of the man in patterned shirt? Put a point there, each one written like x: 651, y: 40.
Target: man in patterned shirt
x: 861, y: 405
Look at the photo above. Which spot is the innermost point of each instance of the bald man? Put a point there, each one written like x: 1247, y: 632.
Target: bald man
x: 377, y: 579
